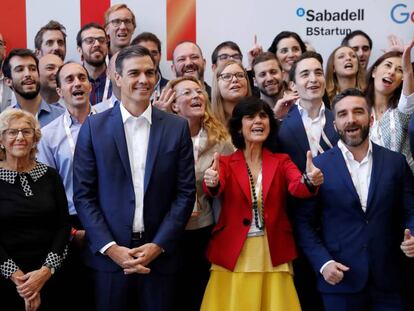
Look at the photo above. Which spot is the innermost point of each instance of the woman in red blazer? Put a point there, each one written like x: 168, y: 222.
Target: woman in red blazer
x: 252, y: 245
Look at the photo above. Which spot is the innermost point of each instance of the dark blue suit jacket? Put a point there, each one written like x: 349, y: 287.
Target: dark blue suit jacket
x: 293, y: 139
x: 103, y: 189
x: 367, y: 242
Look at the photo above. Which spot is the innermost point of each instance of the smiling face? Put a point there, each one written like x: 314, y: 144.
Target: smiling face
x: 309, y: 80
x: 255, y: 129
x: 20, y: 146
x: 25, y: 77
x: 120, y: 28
x: 388, y: 75
x: 188, y: 61
x: 137, y: 80
x: 48, y: 67
x: 93, y: 53
x: 345, y: 62
x: 236, y: 88
x: 352, y: 120
x: 190, y: 101
x: 75, y: 87
x: 287, y: 52
x: 269, y: 77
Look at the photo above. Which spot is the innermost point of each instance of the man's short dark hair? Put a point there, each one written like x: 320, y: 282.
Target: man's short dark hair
x: 250, y: 106
x: 129, y: 52
x: 306, y: 55
x: 348, y: 37
x: 264, y: 57
x: 226, y: 44
x: 52, y: 25
x: 147, y: 36
x: 349, y: 92
x: 20, y: 53
x: 86, y: 27
x: 58, y: 81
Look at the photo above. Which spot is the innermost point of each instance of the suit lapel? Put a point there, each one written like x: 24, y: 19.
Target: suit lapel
x: 156, y: 131
x: 342, y: 170
x: 120, y: 139
x: 329, y: 130
x: 377, y: 164
x: 295, y: 125
x: 238, y: 166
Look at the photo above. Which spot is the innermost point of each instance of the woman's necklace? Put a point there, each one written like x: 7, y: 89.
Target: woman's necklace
x: 258, y: 214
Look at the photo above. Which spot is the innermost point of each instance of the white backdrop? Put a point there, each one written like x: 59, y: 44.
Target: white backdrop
x: 240, y: 20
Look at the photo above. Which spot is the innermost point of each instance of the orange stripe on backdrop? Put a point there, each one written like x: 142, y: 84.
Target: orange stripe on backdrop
x: 93, y: 11
x: 181, y: 23
x: 13, y: 23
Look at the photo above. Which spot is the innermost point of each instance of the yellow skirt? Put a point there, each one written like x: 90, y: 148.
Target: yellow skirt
x: 270, y: 288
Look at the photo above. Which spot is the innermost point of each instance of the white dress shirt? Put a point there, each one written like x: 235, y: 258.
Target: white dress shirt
x: 361, y: 176
x: 313, y: 127
x: 137, y: 131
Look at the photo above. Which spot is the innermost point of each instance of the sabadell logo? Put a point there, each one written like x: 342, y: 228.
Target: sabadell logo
x: 401, y: 15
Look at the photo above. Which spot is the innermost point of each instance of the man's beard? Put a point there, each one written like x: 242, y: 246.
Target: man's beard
x: 27, y: 95
x: 356, y: 141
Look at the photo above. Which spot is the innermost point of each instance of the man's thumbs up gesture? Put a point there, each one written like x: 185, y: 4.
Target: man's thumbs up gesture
x: 211, y: 175
x: 407, y: 245
x: 313, y: 173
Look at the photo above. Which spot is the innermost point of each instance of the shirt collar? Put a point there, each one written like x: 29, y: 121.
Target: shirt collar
x: 10, y: 176
x: 101, y: 78
x: 72, y: 120
x: 147, y: 114
x: 303, y: 112
x: 43, y: 106
x: 348, y: 154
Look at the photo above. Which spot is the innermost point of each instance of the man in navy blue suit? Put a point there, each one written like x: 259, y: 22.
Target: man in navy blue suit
x: 134, y: 190
x: 365, y: 209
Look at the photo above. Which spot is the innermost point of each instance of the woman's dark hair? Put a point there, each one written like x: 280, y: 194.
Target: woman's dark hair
x: 250, y: 106
x: 370, y: 89
x: 284, y: 35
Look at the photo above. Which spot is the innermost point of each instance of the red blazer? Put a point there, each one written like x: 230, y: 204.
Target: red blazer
x: 280, y: 176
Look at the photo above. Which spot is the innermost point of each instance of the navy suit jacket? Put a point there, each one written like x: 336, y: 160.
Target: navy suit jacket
x: 367, y: 242
x: 293, y: 139
x: 103, y: 189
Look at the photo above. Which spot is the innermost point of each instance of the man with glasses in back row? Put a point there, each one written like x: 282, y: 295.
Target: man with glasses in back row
x: 93, y: 49
x: 119, y: 26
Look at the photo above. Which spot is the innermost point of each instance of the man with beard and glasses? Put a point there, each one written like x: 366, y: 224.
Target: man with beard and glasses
x: 268, y: 78
x: 188, y: 61
x: 51, y: 39
x: 48, y: 67
x: 93, y: 49
x: 5, y: 91
x: 365, y: 212
x: 21, y: 72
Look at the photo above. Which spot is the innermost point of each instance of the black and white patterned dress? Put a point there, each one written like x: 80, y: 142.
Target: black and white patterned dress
x: 34, y: 221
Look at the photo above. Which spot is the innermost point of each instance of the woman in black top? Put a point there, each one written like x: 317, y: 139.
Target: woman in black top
x: 34, y: 221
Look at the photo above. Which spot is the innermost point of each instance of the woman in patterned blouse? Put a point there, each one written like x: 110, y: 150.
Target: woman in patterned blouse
x: 34, y: 220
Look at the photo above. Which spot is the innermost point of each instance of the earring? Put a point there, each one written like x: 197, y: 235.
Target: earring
x: 1, y: 147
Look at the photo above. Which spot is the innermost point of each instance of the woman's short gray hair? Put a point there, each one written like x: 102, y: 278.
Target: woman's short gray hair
x: 15, y: 114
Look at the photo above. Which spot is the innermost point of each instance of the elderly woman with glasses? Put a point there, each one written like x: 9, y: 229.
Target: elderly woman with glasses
x: 230, y: 84
x: 34, y: 220
x: 252, y: 245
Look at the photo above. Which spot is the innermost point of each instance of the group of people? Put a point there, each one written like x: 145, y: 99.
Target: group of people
x: 283, y: 186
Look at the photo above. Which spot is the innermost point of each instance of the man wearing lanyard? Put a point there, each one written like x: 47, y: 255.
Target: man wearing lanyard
x: 365, y: 215
x: 93, y: 49
x: 307, y: 126
x: 123, y: 157
x: 21, y: 73
x: 115, y: 98
x: 56, y: 149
